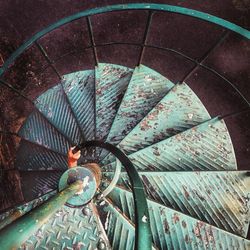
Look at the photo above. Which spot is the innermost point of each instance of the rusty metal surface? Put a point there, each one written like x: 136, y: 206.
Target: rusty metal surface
x: 204, y: 147
x: 175, y: 230
x: 111, y: 82
x: 79, y: 87
x: 218, y: 198
x: 178, y: 111
x: 54, y: 106
x: 34, y: 157
x: 69, y: 228
x: 37, y: 129
x: 145, y: 90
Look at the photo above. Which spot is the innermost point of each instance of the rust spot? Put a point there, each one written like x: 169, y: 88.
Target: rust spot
x: 187, y: 239
x: 166, y: 226
x: 145, y: 126
x: 186, y: 193
x: 184, y: 224
x: 176, y: 218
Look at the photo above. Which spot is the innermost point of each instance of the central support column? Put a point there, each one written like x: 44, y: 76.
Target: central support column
x: 16, y: 233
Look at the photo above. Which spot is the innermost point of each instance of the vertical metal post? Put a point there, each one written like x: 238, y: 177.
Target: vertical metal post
x: 15, y: 234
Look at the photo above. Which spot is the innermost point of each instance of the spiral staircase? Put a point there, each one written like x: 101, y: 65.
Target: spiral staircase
x: 196, y: 197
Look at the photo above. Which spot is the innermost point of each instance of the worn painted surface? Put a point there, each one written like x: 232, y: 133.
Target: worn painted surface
x: 88, y: 189
x: 145, y: 90
x: 38, y: 130
x: 204, y: 147
x: 54, y: 105
x: 174, y: 230
x: 178, y: 111
x: 161, y: 127
x: 34, y: 157
x: 120, y: 231
x: 218, y: 198
x: 13, y: 214
x: 111, y: 83
x: 69, y: 228
x: 80, y: 87
x: 16, y: 233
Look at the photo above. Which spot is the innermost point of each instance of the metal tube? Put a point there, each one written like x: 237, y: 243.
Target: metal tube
x: 15, y: 234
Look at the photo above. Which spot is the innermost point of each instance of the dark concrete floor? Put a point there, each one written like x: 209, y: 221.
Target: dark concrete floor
x: 192, y: 40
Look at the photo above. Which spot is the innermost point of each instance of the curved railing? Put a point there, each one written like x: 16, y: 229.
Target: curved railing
x: 143, y: 236
x: 143, y: 241
x: 133, y: 6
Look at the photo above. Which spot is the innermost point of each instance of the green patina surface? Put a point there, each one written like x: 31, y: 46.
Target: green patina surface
x: 16, y: 233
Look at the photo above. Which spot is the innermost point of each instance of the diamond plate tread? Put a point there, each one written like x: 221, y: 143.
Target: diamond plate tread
x: 218, y: 198
x: 38, y: 183
x: 80, y: 89
x: 69, y: 228
x: 205, y: 147
x: 33, y: 157
x: 174, y: 230
x: 111, y: 83
x: 120, y: 231
x: 54, y: 106
x: 178, y: 111
x: 38, y: 130
x: 11, y: 215
x: 145, y: 90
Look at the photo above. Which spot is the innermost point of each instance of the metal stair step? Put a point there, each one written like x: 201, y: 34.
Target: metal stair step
x: 146, y: 88
x: 180, y: 109
x: 54, y: 106
x: 119, y: 228
x: 38, y: 130
x: 69, y: 228
x: 205, y: 147
x: 80, y: 90
x: 174, y: 230
x: 34, y: 157
x: 217, y: 198
x: 37, y: 183
x: 111, y: 83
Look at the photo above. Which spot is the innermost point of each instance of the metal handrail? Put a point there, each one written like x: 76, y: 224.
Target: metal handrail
x: 143, y: 235
x: 133, y: 6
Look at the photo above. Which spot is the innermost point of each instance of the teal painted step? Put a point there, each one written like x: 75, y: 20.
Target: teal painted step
x: 120, y: 232
x: 34, y: 157
x: 119, y: 229
x: 178, y: 111
x: 54, y: 106
x: 218, y: 198
x: 6, y: 218
x: 204, y: 147
x: 174, y: 230
x: 69, y: 228
x: 145, y: 90
x: 80, y: 90
x: 111, y: 83
x: 38, y: 130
